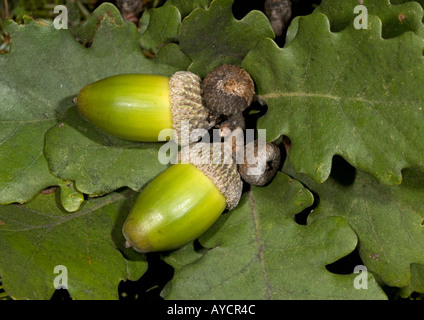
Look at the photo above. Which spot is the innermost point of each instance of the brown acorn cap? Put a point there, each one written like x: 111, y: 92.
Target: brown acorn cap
x: 228, y: 89
x: 269, y: 157
x: 187, y: 104
x: 218, y: 165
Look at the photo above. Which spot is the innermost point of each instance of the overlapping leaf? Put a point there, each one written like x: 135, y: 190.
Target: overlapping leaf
x: 99, y: 163
x: 159, y: 29
x: 70, y: 198
x: 257, y: 251
x: 162, y: 25
x: 387, y: 219
x: 396, y: 19
x: 187, y: 6
x: 39, y: 78
x: 213, y: 37
x: 349, y: 93
x: 38, y: 236
x: 417, y: 281
x: 396, y: 2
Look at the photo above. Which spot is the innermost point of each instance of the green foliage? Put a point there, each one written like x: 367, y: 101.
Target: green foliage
x: 38, y: 236
x: 155, y: 35
x: 230, y: 40
x: 375, y: 122
x: 31, y: 106
x: 396, y: 19
x: 187, y: 6
x: 99, y: 163
x: 267, y: 255
x: 387, y: 219
x: 349, y: 100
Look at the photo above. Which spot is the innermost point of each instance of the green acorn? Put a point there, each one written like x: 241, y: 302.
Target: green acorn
x: 182, y: 202
x: 139, y: 106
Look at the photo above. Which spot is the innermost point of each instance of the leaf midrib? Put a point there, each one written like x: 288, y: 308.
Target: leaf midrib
x: 330, y: 97
x: 68, y: 218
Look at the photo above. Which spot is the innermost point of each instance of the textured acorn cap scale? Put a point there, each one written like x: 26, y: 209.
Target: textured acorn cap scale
x: 187, y: 106
x: 217, y: 163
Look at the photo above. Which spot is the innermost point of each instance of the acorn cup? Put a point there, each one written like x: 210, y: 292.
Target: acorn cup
x: 138, y: 107
x: 182, y: 202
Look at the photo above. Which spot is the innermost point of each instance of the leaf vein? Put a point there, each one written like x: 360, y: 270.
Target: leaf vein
x: 260, y: 246
x: 69, y: 217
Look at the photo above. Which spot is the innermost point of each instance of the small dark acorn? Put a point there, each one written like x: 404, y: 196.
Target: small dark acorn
x: 269, y: 158
x: 228, y: 90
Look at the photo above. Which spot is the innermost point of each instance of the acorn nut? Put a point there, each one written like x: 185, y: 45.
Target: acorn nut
x: 228, y: 89
x: 182, y: 202
x: 139, y: 106
x: 260, y: 164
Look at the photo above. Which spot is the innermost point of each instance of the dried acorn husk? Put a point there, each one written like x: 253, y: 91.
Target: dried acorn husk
x: 182, y: 202
x: 260, y: 164
x: 228, y: 90
x: 138, y: 107
x: 279, y: 13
